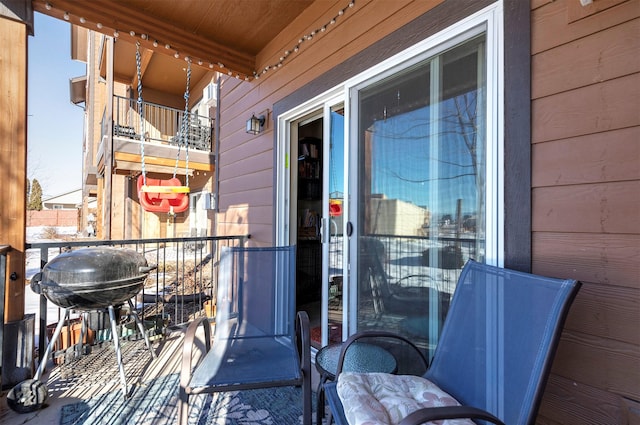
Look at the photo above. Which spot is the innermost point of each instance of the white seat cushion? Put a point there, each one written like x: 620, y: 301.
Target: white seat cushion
x: 385, y: 399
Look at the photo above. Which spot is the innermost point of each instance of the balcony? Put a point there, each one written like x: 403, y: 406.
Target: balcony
x: 176, y: 292
x: 164, y: 149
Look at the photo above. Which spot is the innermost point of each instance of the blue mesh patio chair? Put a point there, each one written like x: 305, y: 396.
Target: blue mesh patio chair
x: 258, y: 340
x: 494, y: 355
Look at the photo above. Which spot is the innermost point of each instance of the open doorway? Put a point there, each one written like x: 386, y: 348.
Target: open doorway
x: 317, y: 144
x: 308, y: 222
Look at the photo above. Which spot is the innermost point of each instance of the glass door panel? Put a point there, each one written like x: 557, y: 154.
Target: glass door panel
x: 420, y: 210
x: 334, y: 200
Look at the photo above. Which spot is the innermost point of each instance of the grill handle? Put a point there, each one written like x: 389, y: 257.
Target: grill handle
x: 147, y: 269
x: 35, y: 283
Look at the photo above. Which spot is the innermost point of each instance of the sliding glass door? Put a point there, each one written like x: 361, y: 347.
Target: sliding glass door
x: 419, y: 166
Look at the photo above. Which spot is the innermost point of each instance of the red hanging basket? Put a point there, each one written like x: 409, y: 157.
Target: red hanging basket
x: 163, y: 196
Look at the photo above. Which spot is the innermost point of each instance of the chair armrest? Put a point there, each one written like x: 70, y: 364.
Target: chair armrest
x: 187, y: 348
x: 429, y: 414
x: 303, y: 340
x: 376, y: 334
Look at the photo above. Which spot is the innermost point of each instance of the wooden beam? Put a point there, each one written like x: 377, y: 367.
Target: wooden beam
x: 169, y: 163
x: 13, y: 160
x: 121, y: 17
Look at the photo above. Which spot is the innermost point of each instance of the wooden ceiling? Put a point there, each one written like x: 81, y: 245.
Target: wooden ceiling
x: 217, y: 35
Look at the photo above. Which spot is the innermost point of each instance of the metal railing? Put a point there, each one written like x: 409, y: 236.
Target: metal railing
x: 441, y: 257
x: 162, y: 124
x: 175, y: 292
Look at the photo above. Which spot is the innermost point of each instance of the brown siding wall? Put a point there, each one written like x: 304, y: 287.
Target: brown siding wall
x: 586, y: 201
x: 246, y: 162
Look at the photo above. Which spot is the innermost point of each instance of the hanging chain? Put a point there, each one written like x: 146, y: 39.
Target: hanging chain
x: 141, y: 111
x: 183, y: 129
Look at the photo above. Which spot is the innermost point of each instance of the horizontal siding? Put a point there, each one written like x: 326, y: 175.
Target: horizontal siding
x: 609, y: 54
x: 586, y: 200
x: 590, y: 208
x: 608, y: 312
x: 611, y: 105
x: 569, y: 402
x: 608, y: 259
x: 617, y: 371
x: 245, y: 159
x: 551, y: 27
x: 601, y: 157
x: 246, y: 182
x: 253, y: 197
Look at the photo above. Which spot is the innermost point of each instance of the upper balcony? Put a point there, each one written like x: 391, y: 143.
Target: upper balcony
x: 165, y: 141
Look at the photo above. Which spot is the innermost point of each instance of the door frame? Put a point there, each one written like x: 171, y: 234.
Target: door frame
x: 286, y: 205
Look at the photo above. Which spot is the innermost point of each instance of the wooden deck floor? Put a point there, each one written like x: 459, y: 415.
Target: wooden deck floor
x: 97, y: 373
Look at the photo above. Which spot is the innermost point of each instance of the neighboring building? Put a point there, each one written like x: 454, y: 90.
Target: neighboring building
x: 396, y: 217
x: 114, y: 159
x: 65, y: 201
x: 527, y: 112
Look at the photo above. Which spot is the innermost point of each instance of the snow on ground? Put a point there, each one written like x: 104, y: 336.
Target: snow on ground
x: 32, y: 266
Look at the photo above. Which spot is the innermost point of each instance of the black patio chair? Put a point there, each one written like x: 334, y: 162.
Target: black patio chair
x: 258, y: 341
x: 408, y: 295
x: 494, y: 354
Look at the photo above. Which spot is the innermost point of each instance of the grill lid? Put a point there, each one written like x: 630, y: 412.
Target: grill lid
x: 94, y: 266
x: 92, y: 278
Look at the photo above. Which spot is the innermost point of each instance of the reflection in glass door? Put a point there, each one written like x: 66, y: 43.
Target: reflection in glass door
x: 333, y: 227
x: 421, y: 189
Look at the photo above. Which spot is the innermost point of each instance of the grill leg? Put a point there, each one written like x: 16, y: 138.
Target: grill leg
x: 83, y: 332
x: 116, y: 342
x: 141, y: 329
x: 54, y: 338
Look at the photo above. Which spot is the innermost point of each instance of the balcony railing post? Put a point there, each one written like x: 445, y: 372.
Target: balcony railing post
x: 42, y: 334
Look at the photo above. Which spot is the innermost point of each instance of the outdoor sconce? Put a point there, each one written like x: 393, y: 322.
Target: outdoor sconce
x: 255, y: 124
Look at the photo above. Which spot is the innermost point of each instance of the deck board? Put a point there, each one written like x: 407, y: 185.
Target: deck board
x: 96, y: 374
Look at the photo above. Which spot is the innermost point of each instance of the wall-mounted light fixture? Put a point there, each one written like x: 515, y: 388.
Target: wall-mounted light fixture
x: 255, y: 124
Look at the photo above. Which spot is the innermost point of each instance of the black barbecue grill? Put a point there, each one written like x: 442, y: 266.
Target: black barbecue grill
x: 85, y: 279
x: 92, y: 278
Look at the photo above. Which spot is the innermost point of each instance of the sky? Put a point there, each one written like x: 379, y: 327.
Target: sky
x: 55, y: 125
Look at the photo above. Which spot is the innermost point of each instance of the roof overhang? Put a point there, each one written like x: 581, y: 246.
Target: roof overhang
x: 219, y: 35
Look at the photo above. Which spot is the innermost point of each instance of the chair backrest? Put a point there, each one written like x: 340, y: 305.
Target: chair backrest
x: 499, y: 339
x: 371, y: 270
x: 256, y: 292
